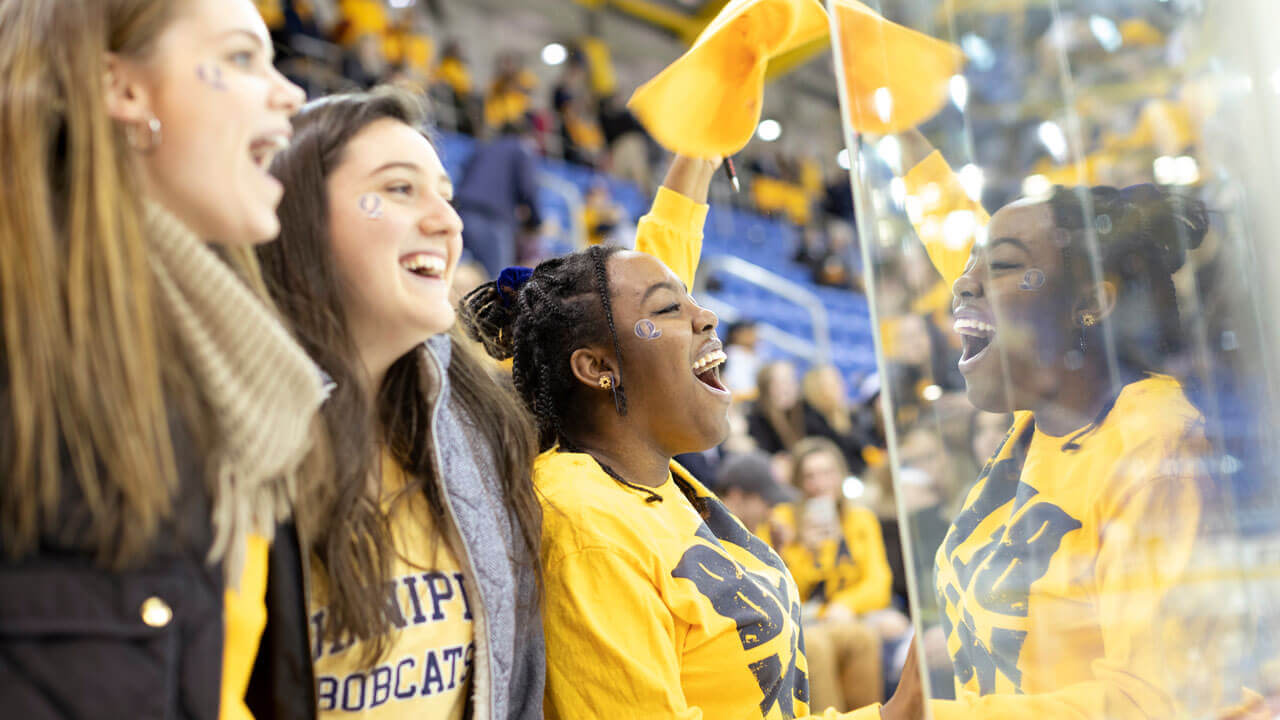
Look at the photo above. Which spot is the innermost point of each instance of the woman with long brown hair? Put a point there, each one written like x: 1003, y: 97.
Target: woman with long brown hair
x: 776, y: 421
x: 425, y: 600
x: 152, y: 409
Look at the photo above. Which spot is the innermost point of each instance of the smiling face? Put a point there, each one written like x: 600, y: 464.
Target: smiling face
x: 671, y: 370
x: 820, y: 475
x: 395, y: 240
x: 223, y: 113
x: 1013, y: 309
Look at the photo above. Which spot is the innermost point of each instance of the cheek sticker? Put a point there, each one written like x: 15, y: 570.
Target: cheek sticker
x: 1103, y: 224
x: 211, y: 75
x: 1033, y: 279
x: 371, y: 204
x: 646, y: 330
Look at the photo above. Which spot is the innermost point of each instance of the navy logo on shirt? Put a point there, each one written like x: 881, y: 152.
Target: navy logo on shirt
x: 759, y: 608
x: 1000, y: 573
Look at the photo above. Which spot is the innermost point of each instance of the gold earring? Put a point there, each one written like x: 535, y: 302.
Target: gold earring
x: 606, y: 382
x: 1088, y: 319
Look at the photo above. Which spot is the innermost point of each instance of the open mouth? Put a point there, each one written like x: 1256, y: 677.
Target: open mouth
x: 265, y: 148
x: 424, y: 265
x: 707, y: 370
x: 975, y: 338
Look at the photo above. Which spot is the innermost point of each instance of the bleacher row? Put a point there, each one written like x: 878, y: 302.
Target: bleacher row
x: 759, y: 240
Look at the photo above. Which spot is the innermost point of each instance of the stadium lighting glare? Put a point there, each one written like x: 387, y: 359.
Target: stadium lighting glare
x: 959, y: 91
x: 898, y: 191
x: 890, y: 150
x: 883, y: 100
x: 1106, y: 32
x: 400, y: 4
x: 1036, y: 186
x: 554, y: 54
x: 852, y: 487
x: 842, y: 159
x: 769, y: 130
x: 1055, y: 141
x: 957, y: 230
x: 973, y: 180
x: 978, y: 51
x: 1181, y: 170
x: 932, y: 393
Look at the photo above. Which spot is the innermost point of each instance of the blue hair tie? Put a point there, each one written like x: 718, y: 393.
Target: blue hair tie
x: 511, y: 280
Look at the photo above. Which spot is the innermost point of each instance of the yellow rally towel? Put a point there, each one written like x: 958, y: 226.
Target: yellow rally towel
x: 707, y: 103
x: 896, y: 77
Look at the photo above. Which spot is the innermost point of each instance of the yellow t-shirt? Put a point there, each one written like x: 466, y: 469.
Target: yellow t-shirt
x: 650, y: 611
x: 653, y: 612
x: 852, y: 570
x: 244, y: 616
x: 1063, y: 584
x: 427, y: 671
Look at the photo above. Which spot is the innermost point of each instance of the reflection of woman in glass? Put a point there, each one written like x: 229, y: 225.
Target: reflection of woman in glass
x: 1058, y: 577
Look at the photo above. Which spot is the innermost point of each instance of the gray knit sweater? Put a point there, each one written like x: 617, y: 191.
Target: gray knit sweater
x: 510, y: 662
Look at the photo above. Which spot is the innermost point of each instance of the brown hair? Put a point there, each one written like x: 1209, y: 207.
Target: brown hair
x: 86, y: 373
x: 788, y: 423
x: 809, y: 447
x: 354, y: 542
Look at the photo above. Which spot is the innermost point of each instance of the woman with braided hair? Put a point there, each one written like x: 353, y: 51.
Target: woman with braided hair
x: 658, y: 603
x: 1064, y: 580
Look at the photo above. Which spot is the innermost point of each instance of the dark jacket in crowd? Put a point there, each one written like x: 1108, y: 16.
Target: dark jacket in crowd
x: 500, y: 176
x: 80, y: 642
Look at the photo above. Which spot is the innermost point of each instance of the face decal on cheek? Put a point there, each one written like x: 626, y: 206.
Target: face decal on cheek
x: 371, y: 205
x: 211, y: 75
x: 1032, y: 280
x: 1103, y: 224
x: 646, y: 330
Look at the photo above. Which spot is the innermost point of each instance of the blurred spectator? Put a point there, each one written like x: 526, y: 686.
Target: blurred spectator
x: 451, y: 82
x: 776, y: 421
x: 581, y: 138
x: 600, y: 214
x: 746, y: 485
x: 835, y: 551
x: 743, y: 364
x: 498, y: 191
x: 987, y: 432
x: 627, y: 142
x: 827, y: 414
x: 362, y: 28
x: 509, y: 100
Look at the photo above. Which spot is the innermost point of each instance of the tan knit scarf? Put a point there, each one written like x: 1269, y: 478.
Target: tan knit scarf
x: 262, y: 388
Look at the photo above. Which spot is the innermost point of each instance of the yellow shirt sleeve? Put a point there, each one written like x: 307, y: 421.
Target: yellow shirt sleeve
x: 672, y: 232
x: 866, y: 544
x: 937, y: 189
x: 604, y: 621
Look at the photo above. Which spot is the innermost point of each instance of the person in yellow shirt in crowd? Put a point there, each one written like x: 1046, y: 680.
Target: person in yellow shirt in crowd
x: 659, y: 603
x: 835, y: 551
x: 1064, y: 578
x: 424, y: 600
x: 600, y: 214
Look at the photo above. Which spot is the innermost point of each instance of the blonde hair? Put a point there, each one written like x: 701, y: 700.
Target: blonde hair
x: 84, y: 353
x: 833, y: 408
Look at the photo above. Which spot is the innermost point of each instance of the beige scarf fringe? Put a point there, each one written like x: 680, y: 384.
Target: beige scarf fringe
x: 263, y: 389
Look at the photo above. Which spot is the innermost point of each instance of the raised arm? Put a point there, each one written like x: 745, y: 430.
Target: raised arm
x: 672, y: 229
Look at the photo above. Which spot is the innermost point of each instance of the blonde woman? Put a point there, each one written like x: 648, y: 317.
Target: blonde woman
x: 153, y: 408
